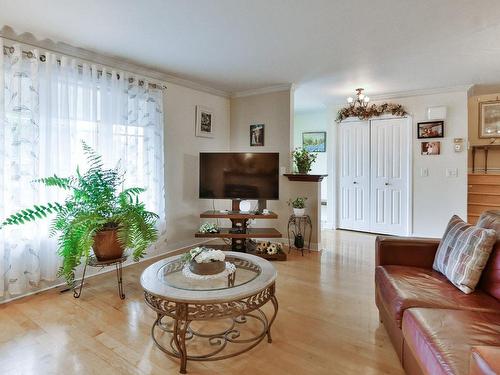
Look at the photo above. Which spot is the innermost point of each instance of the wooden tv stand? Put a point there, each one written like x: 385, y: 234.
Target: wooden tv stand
x: 239, y: 220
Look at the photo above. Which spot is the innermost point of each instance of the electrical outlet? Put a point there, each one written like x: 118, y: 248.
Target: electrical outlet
x: 451, y: 172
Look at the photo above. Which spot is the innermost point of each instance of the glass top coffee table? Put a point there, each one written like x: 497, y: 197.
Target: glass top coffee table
x: 204, y: 316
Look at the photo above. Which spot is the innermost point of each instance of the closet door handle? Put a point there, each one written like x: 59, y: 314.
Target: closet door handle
x: 354, y: 182
x: 387, y: 184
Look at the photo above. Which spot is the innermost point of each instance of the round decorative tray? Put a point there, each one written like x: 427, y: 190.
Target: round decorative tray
x: 210, y: 268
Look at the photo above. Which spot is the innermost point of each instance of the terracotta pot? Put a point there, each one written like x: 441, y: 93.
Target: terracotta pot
x: 210, y: 268
x: 106, y: 245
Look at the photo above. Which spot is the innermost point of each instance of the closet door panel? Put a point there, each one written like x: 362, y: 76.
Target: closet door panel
x: 354, y: 176
x: 389, y: 180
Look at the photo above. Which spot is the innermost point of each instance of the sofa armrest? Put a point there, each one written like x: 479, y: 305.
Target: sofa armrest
x: 485, y: 360
x: 416, y: 252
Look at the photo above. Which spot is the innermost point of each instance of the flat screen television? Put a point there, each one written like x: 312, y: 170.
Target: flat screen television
x: 239, y: 175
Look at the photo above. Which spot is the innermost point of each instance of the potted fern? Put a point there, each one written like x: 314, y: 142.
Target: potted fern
x: 96, y: 215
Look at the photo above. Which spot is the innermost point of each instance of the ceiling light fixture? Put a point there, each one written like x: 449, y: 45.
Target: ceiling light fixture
x: 361, y: 99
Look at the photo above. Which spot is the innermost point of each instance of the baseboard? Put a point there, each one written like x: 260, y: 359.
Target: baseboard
x: 91, y: 272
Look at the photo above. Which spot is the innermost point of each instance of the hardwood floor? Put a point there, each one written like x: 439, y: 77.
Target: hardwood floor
x: 327, y: 324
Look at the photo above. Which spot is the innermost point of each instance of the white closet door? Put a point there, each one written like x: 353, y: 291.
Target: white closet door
x: 354, y: 176
x: 390, y: 142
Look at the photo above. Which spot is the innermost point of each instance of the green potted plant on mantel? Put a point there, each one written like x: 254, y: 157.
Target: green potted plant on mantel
x: 303, y: 160
x: 95, y: 216
x: 299, y: 205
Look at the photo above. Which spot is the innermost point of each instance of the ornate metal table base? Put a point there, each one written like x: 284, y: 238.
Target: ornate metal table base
x: 93, y: 262
x: 175, y: 319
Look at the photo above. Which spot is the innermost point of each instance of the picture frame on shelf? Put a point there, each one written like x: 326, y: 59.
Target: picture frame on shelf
x: 314, y: 141
x: 205, y: 121
x: 430, y: 129
x: 257, y: 134
x: 489, y: 119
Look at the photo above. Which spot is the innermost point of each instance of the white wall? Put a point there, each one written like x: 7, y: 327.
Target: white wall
x: 437, y: 197
x: 183, y: 207
x: 275, y: 111
x: 312, y: 121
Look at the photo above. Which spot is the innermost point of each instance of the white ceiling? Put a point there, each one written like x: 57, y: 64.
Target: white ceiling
x: 326, y: 47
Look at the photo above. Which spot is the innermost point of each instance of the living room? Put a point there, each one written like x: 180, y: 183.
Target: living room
x: 228, y: 187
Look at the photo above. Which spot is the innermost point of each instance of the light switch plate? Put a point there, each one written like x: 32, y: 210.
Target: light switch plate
x: 451, y: 172
x: 424, y: 172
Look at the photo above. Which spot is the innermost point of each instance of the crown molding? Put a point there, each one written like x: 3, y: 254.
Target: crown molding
x: 408, y: 94
x: 107, y: 60
x: 263, y: 90
x: 420, y: 92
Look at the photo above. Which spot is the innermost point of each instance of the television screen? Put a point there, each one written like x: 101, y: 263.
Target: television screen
x: 239, y: 175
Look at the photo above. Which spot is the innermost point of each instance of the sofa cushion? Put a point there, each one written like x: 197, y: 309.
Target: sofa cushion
x: 463, y: 253
x: 490, y: 279
x: 484, y: 360
x: 441, y: 340
x: 401, y: 287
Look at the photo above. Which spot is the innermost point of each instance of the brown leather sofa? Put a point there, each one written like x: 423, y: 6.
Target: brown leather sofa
x: 434, y: 327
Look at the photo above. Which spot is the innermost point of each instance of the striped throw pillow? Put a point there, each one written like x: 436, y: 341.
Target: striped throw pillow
x: 463, y: 253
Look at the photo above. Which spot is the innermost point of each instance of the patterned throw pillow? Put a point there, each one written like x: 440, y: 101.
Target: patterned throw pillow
x: 463, y: 253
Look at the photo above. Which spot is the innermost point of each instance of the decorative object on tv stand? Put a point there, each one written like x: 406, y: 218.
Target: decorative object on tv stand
x: 359, y: 107
x: 245, y: 206
x: 270, y: 250
x: 303, y: 160
x: 430, y: 129
x: 94, y: 216
x: 209, y: 228
x: 257, y: 135
x: 314, y: 141
x: 205, y: 261
x: 205, y: 121
x: 489, y: 119
x: 299, y: 205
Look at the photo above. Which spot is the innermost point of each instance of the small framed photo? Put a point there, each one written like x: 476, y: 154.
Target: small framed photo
x: 314, y: 141
x: 489, y: 119
x: 257, y: 135
x: 430, y: 129
x: 204, y: 122
x: 430, y: 148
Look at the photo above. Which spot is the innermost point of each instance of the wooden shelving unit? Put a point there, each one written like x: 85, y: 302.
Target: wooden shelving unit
x: 483, y: 193
x: 239, y: 220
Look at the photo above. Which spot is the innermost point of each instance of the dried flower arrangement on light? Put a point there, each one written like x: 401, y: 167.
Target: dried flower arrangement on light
x: 374, y: 110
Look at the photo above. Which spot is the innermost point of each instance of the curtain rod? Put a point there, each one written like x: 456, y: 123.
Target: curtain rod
x: 43, y: 58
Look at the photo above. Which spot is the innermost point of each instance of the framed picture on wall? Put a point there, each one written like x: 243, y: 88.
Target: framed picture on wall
x: 430, y: 148
x: 314, y: 141
x: 257, y: 135
x: 205, y: 120
x: 430, y: 129
x: 489, y: 119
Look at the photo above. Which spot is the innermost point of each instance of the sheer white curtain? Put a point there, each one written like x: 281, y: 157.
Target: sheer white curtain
x: 47, y: 107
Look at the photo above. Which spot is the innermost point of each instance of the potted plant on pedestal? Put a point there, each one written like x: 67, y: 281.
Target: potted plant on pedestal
x: 299, y: 205
x: 96, y: 215
x: 303, y: 160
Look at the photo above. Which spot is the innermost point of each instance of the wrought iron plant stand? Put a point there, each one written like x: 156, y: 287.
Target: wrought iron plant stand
x: 94, y: 262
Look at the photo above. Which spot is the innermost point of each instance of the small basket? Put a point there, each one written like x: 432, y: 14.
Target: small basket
x: 210, y: 268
